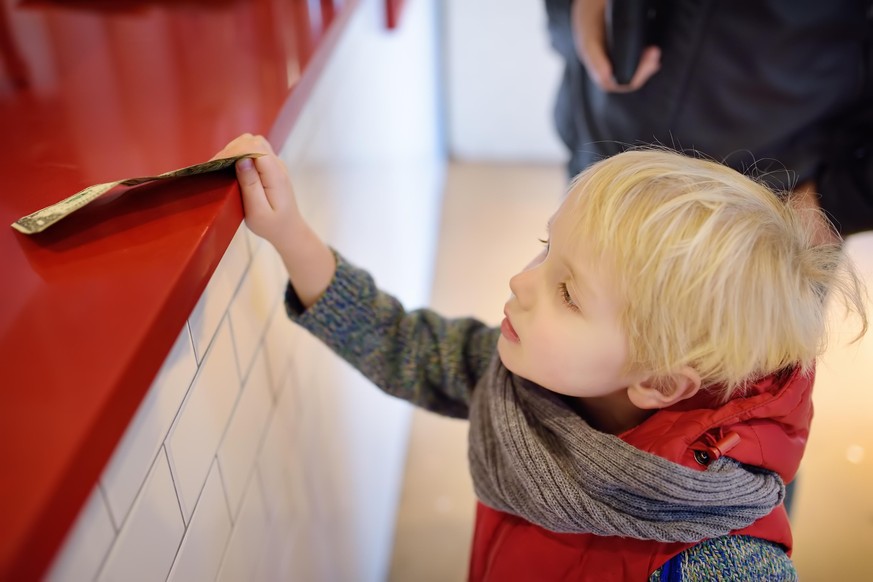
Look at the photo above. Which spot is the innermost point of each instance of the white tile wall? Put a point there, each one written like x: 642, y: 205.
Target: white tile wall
x: 238, y: 451
x: 281, y: 484
x: 277, y: 553
x: 219, y: 478
x: 240, y: 464
x: 254, y: 302
x: 86, y: 545
x: 254, y: 241
x: 278, y: 346
x: 203, y: 546
x: 247, y: 546
x: 133, y: 456
x: 194, y: 437
x: 146, y: 546
x: 211, y: 307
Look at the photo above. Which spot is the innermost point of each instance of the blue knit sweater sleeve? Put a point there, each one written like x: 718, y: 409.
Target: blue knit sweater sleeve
x: 729, y: 559
x: 419, y: 356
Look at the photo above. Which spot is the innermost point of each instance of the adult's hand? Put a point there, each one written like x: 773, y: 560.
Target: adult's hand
x: 588, y: 19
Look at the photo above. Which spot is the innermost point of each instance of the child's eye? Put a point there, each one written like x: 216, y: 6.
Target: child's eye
x: 545, y: 242
x: 565, y: 296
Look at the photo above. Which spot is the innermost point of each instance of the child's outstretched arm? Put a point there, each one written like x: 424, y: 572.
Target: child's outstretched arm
x: 431, y: 361
x: 271, y: 213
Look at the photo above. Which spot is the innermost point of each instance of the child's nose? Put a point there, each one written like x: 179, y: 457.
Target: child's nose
x: 521, y: 286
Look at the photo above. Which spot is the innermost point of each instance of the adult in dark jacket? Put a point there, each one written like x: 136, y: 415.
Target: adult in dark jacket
x: 778, y: 88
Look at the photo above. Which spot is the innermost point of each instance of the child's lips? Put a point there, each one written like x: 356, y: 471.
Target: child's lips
x: 508, y: 331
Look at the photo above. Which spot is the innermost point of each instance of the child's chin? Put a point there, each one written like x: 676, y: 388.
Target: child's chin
x: 507, y: 358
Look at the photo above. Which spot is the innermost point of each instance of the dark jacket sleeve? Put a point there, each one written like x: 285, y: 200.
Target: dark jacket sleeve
x: 845, y: 178
x: 419, y: 356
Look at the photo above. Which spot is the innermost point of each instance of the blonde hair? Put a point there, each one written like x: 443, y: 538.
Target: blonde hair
x: 714, y: 269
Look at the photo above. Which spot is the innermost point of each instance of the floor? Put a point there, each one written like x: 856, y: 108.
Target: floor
x: 492, y: 218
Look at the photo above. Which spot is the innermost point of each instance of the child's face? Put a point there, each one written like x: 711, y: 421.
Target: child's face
x: 562, y: 327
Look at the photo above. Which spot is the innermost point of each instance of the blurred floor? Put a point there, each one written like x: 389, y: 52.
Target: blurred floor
x: 492, y: 218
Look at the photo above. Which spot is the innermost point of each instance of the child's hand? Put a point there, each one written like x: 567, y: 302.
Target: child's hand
x: 268, y: 198
x: 271, y: 213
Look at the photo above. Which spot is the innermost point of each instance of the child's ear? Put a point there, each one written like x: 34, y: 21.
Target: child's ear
x: 663, y: 391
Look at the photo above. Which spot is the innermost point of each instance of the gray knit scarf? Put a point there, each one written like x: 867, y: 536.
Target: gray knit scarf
x: 532, y: 456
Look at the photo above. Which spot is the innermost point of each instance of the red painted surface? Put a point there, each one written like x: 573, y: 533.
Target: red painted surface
x: 93, y: 91
x: 392, y: 12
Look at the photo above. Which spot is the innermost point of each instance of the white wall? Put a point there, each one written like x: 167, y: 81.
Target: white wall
x: 370, y: 176
x: 257, y: 453
x: 501, y: 77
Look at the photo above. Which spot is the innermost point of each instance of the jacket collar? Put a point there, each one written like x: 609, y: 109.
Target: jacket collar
x: 771, y: 418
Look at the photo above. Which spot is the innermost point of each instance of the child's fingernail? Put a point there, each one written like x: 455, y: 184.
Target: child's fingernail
x: 246, y: 164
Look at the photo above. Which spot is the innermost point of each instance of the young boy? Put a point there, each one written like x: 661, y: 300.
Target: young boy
x: 641, y: 406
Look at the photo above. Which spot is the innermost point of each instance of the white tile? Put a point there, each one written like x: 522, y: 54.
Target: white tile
x: 247, y: 542
x: 254, y: 240
x: 86, y: 544
x: 277, y: 553
x: 202, y: 548
x: 126, y: 471
x: 314, y: 555
x: 278, y: 345
x: 289, y: 397
x: 294, y: 561
x: 254, y: 302
x: 283, y: 495
x: 194, y: 436
x: 284, y: 453
x: 147, y: 544
x: 216, y: 297
x: 239, y: 447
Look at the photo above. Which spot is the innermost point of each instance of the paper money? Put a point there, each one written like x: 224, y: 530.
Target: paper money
x: 42, y: 219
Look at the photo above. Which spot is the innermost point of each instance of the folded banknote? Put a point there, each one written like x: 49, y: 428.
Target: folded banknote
x: 42, y: 219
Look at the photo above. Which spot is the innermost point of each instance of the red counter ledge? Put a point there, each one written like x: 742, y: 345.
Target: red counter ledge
x: 93, y: 91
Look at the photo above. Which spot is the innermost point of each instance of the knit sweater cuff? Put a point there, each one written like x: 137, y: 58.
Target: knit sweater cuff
x: 337, y: 308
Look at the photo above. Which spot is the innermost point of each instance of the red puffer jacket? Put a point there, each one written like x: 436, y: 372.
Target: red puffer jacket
x: 767, y: 427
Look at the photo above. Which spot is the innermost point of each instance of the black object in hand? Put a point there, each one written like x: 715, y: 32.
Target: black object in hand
x: 627, y: 24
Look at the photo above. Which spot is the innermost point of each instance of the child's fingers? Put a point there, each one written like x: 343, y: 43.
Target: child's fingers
x: 232, y: 147
x: 250, y: 144
x: 266, y: 144
x: 245, y: 144
x: 274, y: 180
x: 254, y: 199
x: 222, y: 153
